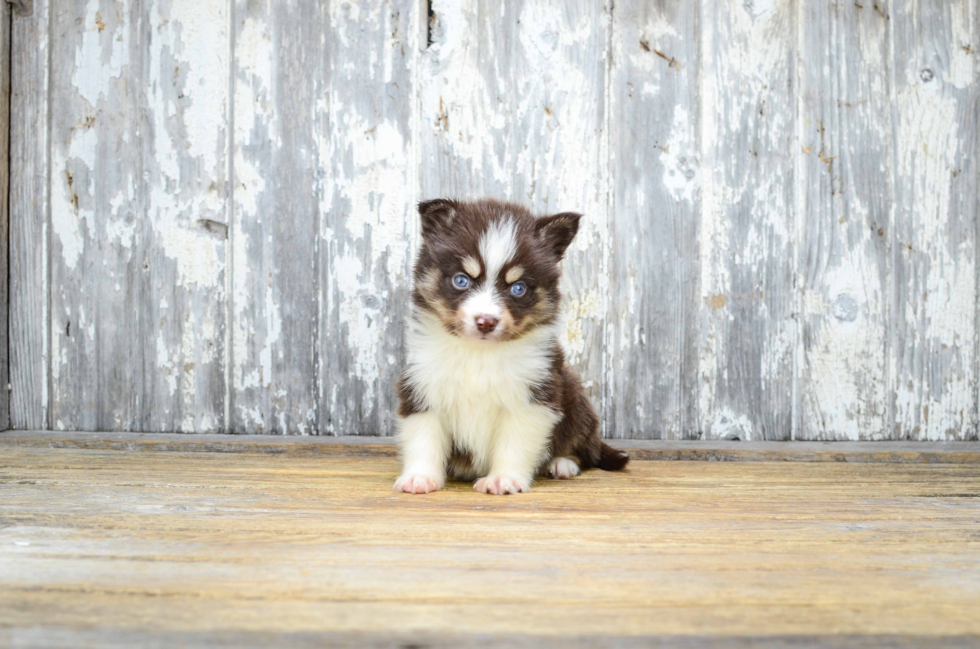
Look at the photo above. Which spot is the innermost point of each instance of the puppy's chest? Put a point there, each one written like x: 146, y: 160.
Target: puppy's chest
x: 455, y: 379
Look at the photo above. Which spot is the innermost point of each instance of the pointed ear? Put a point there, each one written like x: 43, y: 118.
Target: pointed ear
x: 558, y: 230
x: 436, y: 214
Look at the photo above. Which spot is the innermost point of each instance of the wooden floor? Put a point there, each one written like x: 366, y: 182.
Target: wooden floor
x: 121, y: 548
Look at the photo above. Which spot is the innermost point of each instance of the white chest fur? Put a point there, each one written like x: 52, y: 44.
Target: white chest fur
x: 477, y: 387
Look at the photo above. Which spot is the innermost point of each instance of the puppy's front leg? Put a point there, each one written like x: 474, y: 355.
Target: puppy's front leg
x: 520, y: 447
x: 425, y: 449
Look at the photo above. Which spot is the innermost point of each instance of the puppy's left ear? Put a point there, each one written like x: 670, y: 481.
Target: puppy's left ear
x: 557, y: 231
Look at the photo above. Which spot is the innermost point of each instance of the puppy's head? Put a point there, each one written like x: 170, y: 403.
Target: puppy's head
x: 489, y: 270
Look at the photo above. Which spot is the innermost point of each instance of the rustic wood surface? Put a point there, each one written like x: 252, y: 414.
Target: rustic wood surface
x: 118, y: 546
x: 654, y: 207
x: 844, y: 205
x: 212, y: 219
x: 5, y: 12
x: 29, y: 286
x: 746, y: 378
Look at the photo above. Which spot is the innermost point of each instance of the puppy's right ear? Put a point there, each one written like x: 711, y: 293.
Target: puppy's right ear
x: 436, y: 215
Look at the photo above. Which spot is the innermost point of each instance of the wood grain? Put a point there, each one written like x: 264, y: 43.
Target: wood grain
x: 138, y: 216
x: 96, y: 256
x: 277, y: 67
x: 748, y: 332
x: 846, y: 196
x: 934, y: 239
x: 212, y: 207
x: 5, y: 13
x: 102, y: 542
x: 29, y: 371
x: 367, y: 233
x: 652, y: 351
x: 185, y: 213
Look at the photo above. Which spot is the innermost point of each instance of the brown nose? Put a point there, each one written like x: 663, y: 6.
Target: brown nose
x: 486, y: 323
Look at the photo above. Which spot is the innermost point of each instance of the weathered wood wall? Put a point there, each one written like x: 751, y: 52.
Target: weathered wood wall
x: 212, y: 206
x: 5, y: 12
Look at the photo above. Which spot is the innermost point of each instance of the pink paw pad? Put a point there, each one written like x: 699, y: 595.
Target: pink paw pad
x: 417, y: 484
x: 501, y: 485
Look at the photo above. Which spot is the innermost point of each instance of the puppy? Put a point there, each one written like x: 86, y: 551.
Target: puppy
x: 486, y: 394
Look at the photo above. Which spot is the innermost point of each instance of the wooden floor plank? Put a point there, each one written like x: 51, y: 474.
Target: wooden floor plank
x: 241, y: 549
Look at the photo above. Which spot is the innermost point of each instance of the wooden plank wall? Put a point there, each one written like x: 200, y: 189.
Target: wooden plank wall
x: 212, y: 206
x: 5, y: 12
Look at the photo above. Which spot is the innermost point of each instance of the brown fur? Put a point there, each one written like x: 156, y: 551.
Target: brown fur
x: 451, y: 233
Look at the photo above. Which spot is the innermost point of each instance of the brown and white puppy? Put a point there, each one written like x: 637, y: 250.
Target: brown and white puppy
x: 486, y: 395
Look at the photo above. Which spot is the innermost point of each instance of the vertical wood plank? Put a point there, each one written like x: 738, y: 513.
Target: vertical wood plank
x: 137, y: 214
x: 513, y: 106
x: 96, y: 252
x: 29, y: 219
x: 748, y: 299
x: 4, y: 222
x: 655, y: 171
x: 368, y: 187
x: 557, y: 92
x: 847, y: 197
x: 936, y: 105
x: 467, y: 151
x: 278, y: 91
x: 183, y: 132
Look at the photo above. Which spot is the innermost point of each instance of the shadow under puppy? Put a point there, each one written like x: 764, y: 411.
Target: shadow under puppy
x: 486, y: 394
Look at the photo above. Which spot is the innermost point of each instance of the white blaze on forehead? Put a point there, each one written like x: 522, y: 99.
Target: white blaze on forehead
x: 471, y: 266
x: 513, y: 274
x: 497, y: 245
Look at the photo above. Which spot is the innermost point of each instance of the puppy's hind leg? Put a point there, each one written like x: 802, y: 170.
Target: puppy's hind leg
x: 563, y: 468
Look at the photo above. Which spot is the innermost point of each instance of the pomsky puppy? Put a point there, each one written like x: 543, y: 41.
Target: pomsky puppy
x: 486, y: 394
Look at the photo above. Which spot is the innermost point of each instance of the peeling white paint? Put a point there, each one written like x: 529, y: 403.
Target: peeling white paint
x: 541, y: 137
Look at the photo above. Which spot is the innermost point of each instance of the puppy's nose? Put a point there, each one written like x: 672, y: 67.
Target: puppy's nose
x: 486, y: 323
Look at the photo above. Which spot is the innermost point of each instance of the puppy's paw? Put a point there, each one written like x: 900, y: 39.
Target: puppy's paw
x: 417, y: 484
x: 502, y: 485
x: 562, y: 468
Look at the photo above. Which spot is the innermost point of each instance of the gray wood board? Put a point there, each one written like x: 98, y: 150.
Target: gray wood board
x: 137, y: 216
x: 212, y: 214
x: 278, y: 67
x: 748, y: 234
x: 652, y: 350
x: 936, y: 108
x: 5, y: 11
x: 845, y: 195
x: 29, y: 370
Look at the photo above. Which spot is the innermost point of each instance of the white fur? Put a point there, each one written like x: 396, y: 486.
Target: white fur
x: 483, y: 302
x: 478, y: 394
x: 497, y: 246
x: 563, y: 467
x: 424, y: 445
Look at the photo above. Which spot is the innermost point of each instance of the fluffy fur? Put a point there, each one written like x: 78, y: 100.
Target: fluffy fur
x: 486, y: 394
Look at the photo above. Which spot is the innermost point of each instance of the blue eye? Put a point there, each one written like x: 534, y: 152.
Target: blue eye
x: 460, y: 280
x: 517, y: 289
